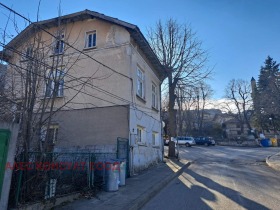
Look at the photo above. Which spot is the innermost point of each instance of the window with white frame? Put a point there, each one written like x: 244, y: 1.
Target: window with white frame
x: 140, y: 83
x: 90, y: 41
x: 59, y: 44
x: 155, y: 138
x: 52, y: 134
x: 154, y: 96
x: 140, y: 134
x: 49, y: 137
x: 55, y: 84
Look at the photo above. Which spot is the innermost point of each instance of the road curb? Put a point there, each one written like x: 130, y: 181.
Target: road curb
x: 273, y: 164
x: 147, y: 196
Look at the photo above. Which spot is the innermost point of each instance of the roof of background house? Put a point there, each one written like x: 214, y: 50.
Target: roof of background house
x: 135, y: 32
x: 213, y: 111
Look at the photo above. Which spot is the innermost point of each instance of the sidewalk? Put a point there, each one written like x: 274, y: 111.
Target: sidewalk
x: 139, y: 189
x: 274, y: 161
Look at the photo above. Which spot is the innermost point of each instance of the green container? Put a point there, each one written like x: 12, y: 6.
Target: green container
x: 4, y: 144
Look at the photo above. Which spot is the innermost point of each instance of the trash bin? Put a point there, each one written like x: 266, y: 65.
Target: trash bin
x: 122, y: 172
x: 265, y: 142
x: 112, y: 175
x: 274, y: 142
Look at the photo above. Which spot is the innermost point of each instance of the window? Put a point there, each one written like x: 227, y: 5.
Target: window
x: 27, y: 53
x: 59, y: 44
x: 90, y: 39
x: 140, y: 83
x: 140, y: 134
x: 55, y: 84
x: 50, y: 139
x: 155, y: 138
x: 52, y: 135
x: 154, y: 96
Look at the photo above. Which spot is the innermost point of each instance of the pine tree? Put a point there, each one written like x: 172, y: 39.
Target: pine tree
x: 268, y: 75
x: 267, y: 95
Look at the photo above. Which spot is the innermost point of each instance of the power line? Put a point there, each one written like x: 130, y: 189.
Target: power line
x: 72, y: 77
x: 64, y: 84
x: 80, y: 91
x: 71, y: 46
x: 92, y: 86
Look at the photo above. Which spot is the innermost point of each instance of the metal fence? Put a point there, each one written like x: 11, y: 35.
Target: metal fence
x: 39, y: 176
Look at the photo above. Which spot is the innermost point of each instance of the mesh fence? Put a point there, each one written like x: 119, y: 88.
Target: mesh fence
x: 45, y: 176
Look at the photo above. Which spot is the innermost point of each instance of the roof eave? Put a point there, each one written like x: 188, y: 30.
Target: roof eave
x: 5, y: 55
x: 146, y: 48
x: 87, y: 14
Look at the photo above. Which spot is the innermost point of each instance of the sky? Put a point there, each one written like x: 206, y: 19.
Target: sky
x: 238, y: 34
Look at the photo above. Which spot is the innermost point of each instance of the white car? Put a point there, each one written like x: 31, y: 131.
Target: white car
x: 184, y: 140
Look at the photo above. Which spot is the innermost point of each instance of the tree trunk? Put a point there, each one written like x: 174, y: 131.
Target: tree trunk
x: 180, y: 124
x: 171, y: 104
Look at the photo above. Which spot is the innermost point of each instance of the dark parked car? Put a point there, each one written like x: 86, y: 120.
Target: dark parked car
x: 205, y: 141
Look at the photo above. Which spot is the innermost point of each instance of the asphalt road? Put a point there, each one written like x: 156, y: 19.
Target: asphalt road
x: 219, y: 177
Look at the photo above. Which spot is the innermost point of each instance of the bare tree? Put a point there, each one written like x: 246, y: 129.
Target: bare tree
x: 239, y: 104
x: 188, y: 117
x: 193, y: 105
x: 181, y: 53
x: 203, y: 94
x: 35, y: 81
x: 33, y: 90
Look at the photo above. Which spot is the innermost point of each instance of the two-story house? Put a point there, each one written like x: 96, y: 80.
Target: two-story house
x: 99, y: 79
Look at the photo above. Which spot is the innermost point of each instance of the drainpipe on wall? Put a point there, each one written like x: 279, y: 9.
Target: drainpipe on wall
x: 131, y: 156
x: 131, y: 159
x: 160, y: 112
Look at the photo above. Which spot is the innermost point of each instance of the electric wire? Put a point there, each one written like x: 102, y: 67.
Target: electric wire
x: 102, y: 64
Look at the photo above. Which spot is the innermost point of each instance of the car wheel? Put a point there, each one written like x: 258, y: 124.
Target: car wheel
x: 206, y: 144
x: 188, y: 145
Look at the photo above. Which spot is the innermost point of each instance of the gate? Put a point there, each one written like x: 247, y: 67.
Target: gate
x: 4, y: 140
x: 123, y: 152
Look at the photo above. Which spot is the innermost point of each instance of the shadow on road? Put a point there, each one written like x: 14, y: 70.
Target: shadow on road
x: 228, y: 192
x: 180, y: 195
x: 204, y: 194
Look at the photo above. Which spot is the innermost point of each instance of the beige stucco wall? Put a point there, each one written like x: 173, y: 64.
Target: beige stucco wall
x: 96, y: 126
x: 112, y: 82
x: 110, y: 53
x: 115, y: 75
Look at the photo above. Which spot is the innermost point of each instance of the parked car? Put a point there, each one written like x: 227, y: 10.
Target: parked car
x: 184, y: 140
x: 207, y: 141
